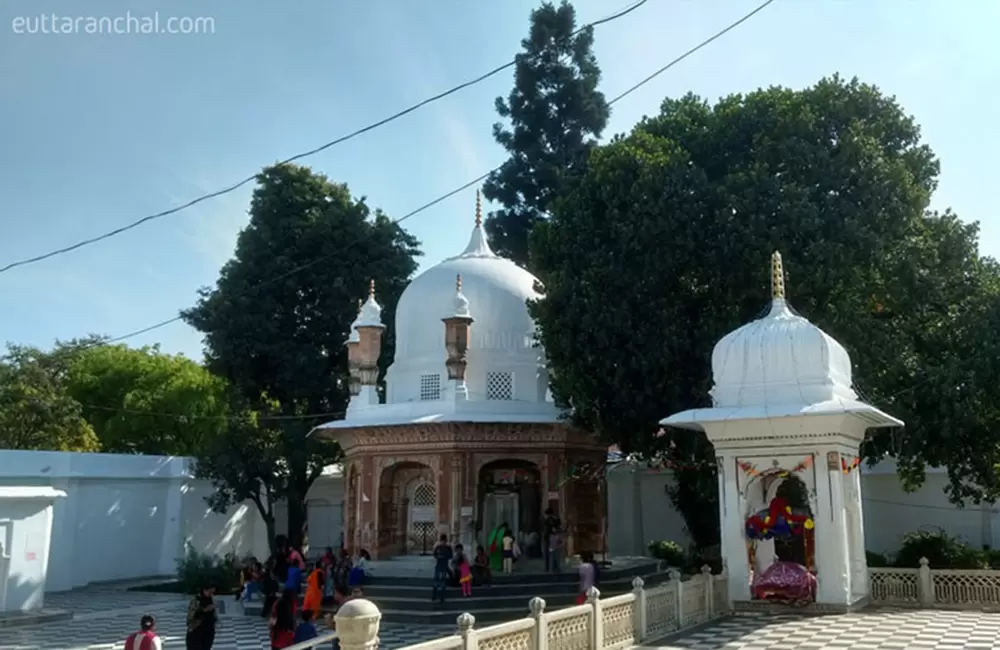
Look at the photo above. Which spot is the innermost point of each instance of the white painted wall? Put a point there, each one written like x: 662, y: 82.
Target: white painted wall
x: 640, y: 511
x: 127, y: 517
x: 25, y: 538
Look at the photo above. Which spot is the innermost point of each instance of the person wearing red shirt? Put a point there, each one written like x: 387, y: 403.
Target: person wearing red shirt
x: 282, y: 621
x: 146, y: 638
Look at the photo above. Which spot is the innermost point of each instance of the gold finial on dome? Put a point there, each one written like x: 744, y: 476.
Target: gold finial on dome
x: 371, y: 288
x: 777, y: 277
x: 479, y: 209
x: 458, y: 283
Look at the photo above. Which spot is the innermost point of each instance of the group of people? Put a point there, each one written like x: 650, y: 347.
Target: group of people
x: 454, y: 565
x: 333, y: 579
x: 202, y: 618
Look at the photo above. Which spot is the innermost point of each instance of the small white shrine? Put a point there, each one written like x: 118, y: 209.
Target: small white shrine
x: 25, y: 540
x: 786, y: 426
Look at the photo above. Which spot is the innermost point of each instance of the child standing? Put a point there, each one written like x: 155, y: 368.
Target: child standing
x: 464, y: 570
x: 508, y: 551
x: 481, y: 570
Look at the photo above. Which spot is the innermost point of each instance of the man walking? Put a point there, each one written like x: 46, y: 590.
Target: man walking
x: 442, y: 563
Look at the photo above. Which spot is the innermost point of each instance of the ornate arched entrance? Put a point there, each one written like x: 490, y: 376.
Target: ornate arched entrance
x: 780, y: 542
x: 407, y: 509
x: 510, y: 492
x: 421, y: 516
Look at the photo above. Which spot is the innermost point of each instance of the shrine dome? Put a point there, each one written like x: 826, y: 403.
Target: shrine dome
x: 504, y: 362
x: 781, y: 358
x: 778, y: 367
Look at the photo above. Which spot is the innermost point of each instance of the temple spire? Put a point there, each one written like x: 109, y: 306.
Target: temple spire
x: 777, y: 277
x: 478, y: 246
x: 458, y: 283
x: 371, y: 288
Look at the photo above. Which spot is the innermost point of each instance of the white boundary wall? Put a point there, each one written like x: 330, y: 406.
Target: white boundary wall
x: 127, y: 517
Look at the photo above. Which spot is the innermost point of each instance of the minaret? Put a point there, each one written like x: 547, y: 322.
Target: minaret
x: 777, y: 277
x: 457, y: 327
x: 353, y: 345
x: 369, y: 328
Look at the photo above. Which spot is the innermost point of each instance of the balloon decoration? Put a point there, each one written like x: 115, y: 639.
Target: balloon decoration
x: 778, y: 521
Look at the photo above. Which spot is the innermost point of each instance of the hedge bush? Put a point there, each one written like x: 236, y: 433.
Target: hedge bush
x: 941, y: 550
x: 196, y: 571
x: 670, y: 552
x: 876, y: 560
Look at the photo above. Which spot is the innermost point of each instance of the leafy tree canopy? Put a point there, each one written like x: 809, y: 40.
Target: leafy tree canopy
x: 35, y: 411
x: 555, y: 113
x: 664, y: 246
x: 140, y: 400
x: 277, y: 333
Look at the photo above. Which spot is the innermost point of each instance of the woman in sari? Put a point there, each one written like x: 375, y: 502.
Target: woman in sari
x: 494, y: 546
x: 314, y: 591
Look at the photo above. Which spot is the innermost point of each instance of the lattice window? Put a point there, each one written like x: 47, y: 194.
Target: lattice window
x: 430, y: 388
x: 424, y: 495
x: 500, y: 386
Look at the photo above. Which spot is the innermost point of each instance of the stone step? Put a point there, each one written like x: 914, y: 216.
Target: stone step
x: 500, y: 590
x: 412, y: 604
x: 567, y: 576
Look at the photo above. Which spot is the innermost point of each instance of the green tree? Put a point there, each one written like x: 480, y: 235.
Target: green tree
x: 556, y: 114
x: 35, y: 411
x: 663, y: 248
x: 277, y: 333
x: 142, y: 401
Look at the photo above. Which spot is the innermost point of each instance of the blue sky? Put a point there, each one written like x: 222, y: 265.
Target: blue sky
x: 98, y: 130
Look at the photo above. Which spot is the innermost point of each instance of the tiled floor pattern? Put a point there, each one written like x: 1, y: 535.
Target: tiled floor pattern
x: 874, y: 630
x: 107, y: 616
x: 98, y: 600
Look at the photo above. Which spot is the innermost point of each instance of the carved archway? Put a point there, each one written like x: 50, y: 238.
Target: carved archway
x: 510, y: 491
x: 395, y: 517
x: 760, y: 493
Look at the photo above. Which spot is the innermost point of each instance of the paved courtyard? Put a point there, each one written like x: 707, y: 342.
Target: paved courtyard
x: 875, y: 630
x: 105, y: 616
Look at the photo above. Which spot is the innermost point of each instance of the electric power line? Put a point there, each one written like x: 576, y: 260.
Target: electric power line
x: 476, y: 180
x: 305, y: 154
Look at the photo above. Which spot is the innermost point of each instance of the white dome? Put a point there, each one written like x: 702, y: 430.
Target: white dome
x: 503, y: 361
x: 371, y: 312
x: 781, y: 359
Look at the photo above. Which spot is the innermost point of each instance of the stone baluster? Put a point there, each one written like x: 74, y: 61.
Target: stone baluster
x: 357, y: 623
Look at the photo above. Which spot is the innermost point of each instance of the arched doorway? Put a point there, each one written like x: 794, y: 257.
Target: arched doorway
x: 402, y: 528
x: 510, y: 492
x: 793, y: 549
x: 421, y: 495
x: 780, y: 542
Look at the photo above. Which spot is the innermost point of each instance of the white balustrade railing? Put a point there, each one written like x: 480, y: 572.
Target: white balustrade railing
x: 927, y: 587
x: 599, y: 624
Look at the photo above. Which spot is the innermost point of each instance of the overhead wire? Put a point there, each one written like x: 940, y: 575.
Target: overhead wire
x: 305, y: 154
x: 474, y: 181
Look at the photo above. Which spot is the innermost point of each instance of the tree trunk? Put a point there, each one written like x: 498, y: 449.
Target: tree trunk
x: 267, y: 515
x: 296, y: 521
